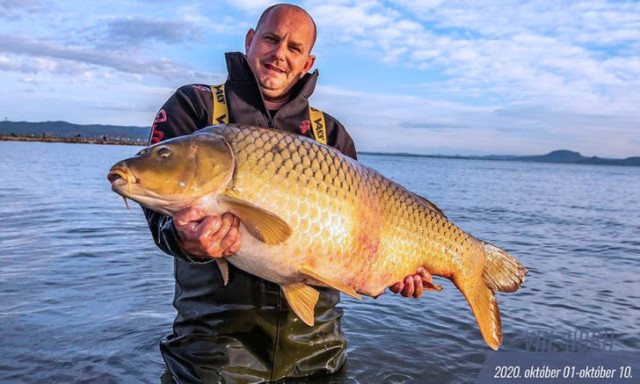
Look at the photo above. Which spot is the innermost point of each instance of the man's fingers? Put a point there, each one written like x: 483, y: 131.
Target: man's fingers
x: 213, y: 251
x: 184, y: 216
x: 212, y: 236
x: 225, y: 225
x: 417, y: 283
x: 397, y: 287
x: 408, y: 287
x: 235, y: 247
x: 427, y: 281
x: 236, y: 222
x: 230, y: 239
x: 208, y: 228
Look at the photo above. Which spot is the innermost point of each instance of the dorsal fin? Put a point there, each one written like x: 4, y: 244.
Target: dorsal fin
x: 431, y: 205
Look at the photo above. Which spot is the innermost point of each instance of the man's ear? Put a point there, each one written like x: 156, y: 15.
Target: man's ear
x: 248, y: 39
x: 309, y: 63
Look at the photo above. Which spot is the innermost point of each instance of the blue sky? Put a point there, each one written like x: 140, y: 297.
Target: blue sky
x: 437, y: 77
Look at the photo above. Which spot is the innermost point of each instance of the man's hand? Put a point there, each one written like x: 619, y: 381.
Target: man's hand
x: 414, y: 285
x: 209, y: 237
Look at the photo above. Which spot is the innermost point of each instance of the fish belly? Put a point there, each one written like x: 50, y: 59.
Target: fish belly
x: 353, y: 227
x: 348, y: 221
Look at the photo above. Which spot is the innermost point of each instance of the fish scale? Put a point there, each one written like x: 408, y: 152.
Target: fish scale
x: 402, y: 214
x: 312, y: 216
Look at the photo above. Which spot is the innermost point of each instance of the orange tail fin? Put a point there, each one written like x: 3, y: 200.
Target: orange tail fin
x: 500, y: 272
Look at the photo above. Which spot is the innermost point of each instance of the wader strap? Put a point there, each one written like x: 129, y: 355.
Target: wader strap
x: 220, y: 112
x: 318, y: 125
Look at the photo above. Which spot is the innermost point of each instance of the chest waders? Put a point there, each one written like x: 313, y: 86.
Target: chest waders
x: 256, y: 338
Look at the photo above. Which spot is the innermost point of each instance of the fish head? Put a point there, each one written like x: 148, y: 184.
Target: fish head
x: 175, y: 173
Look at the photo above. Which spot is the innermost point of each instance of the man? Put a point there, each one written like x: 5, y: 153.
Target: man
x: 245, y: 332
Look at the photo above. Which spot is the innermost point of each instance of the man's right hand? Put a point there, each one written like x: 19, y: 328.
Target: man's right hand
x: 208, y: 237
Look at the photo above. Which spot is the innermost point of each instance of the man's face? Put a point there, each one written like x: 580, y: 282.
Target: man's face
x: 278, y: 52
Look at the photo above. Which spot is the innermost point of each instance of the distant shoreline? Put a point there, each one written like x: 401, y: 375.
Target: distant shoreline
x: 555, y: 157
x: 71, y: 140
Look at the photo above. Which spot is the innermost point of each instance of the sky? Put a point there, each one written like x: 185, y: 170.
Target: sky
x: 428, y: 77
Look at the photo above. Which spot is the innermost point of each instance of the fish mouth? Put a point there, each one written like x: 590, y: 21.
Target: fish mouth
x: 125, y: 183
x: 116, y: 174
x: 119, y: 178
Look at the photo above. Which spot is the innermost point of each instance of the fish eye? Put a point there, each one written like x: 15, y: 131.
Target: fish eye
x: 164, y: 152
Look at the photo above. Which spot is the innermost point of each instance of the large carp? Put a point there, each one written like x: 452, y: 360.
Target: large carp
x: 311, y: 216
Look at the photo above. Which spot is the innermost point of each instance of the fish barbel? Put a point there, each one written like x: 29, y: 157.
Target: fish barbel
x: 312, y: 216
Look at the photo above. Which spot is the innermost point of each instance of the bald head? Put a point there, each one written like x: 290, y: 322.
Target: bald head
x: 279, y: 51
x: 293, y: 8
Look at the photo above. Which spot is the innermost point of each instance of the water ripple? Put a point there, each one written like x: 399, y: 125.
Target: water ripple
x: 85, y: 296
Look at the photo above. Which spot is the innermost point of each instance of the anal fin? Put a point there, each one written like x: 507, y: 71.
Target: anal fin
x: 305, y: 270
x: 223, y: 265
x: 302, y: 299
x: 482, y: 301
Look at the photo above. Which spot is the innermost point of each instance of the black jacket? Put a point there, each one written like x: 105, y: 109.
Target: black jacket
x: 242, y: 332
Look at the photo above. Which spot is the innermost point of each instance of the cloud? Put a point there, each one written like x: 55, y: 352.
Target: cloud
x: 13, y: 65
x: 65, y: 59
x: 252, y: 6
x: 12, y: 9
x: 419, y: 124
x: 431, y: 126
x: 137, y: 31
x: 573, y: 57
x: 419, y: 76
x: 88, y: 100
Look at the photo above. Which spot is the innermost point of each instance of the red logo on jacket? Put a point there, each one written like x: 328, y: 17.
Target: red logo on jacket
x: 305, y: 125
x: 156, y: 134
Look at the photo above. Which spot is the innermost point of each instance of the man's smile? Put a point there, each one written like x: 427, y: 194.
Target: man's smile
x: 275, y: 69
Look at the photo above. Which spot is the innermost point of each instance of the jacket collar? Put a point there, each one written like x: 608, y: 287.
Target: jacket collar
x: 239, y: 71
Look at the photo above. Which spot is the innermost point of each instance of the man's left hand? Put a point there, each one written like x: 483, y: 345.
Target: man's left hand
x: 414, y: 285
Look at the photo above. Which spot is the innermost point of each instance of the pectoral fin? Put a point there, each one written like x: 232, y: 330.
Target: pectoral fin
x: 302, y: 299
x: 263, y: 225
x: 307, y: 271
x: 223, y: 265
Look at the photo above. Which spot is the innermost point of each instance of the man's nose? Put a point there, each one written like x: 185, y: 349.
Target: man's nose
x: 279, y: 50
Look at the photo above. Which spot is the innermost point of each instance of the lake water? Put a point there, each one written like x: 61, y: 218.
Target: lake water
x: 85, y: 296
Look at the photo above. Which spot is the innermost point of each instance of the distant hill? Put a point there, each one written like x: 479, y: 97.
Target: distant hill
x: 62, y: 129
x: 569, y: 157
x: 140, y: 136
x: 560, y: 156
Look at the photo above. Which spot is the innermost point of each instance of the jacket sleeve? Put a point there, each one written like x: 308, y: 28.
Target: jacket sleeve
x: 184, y: 112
